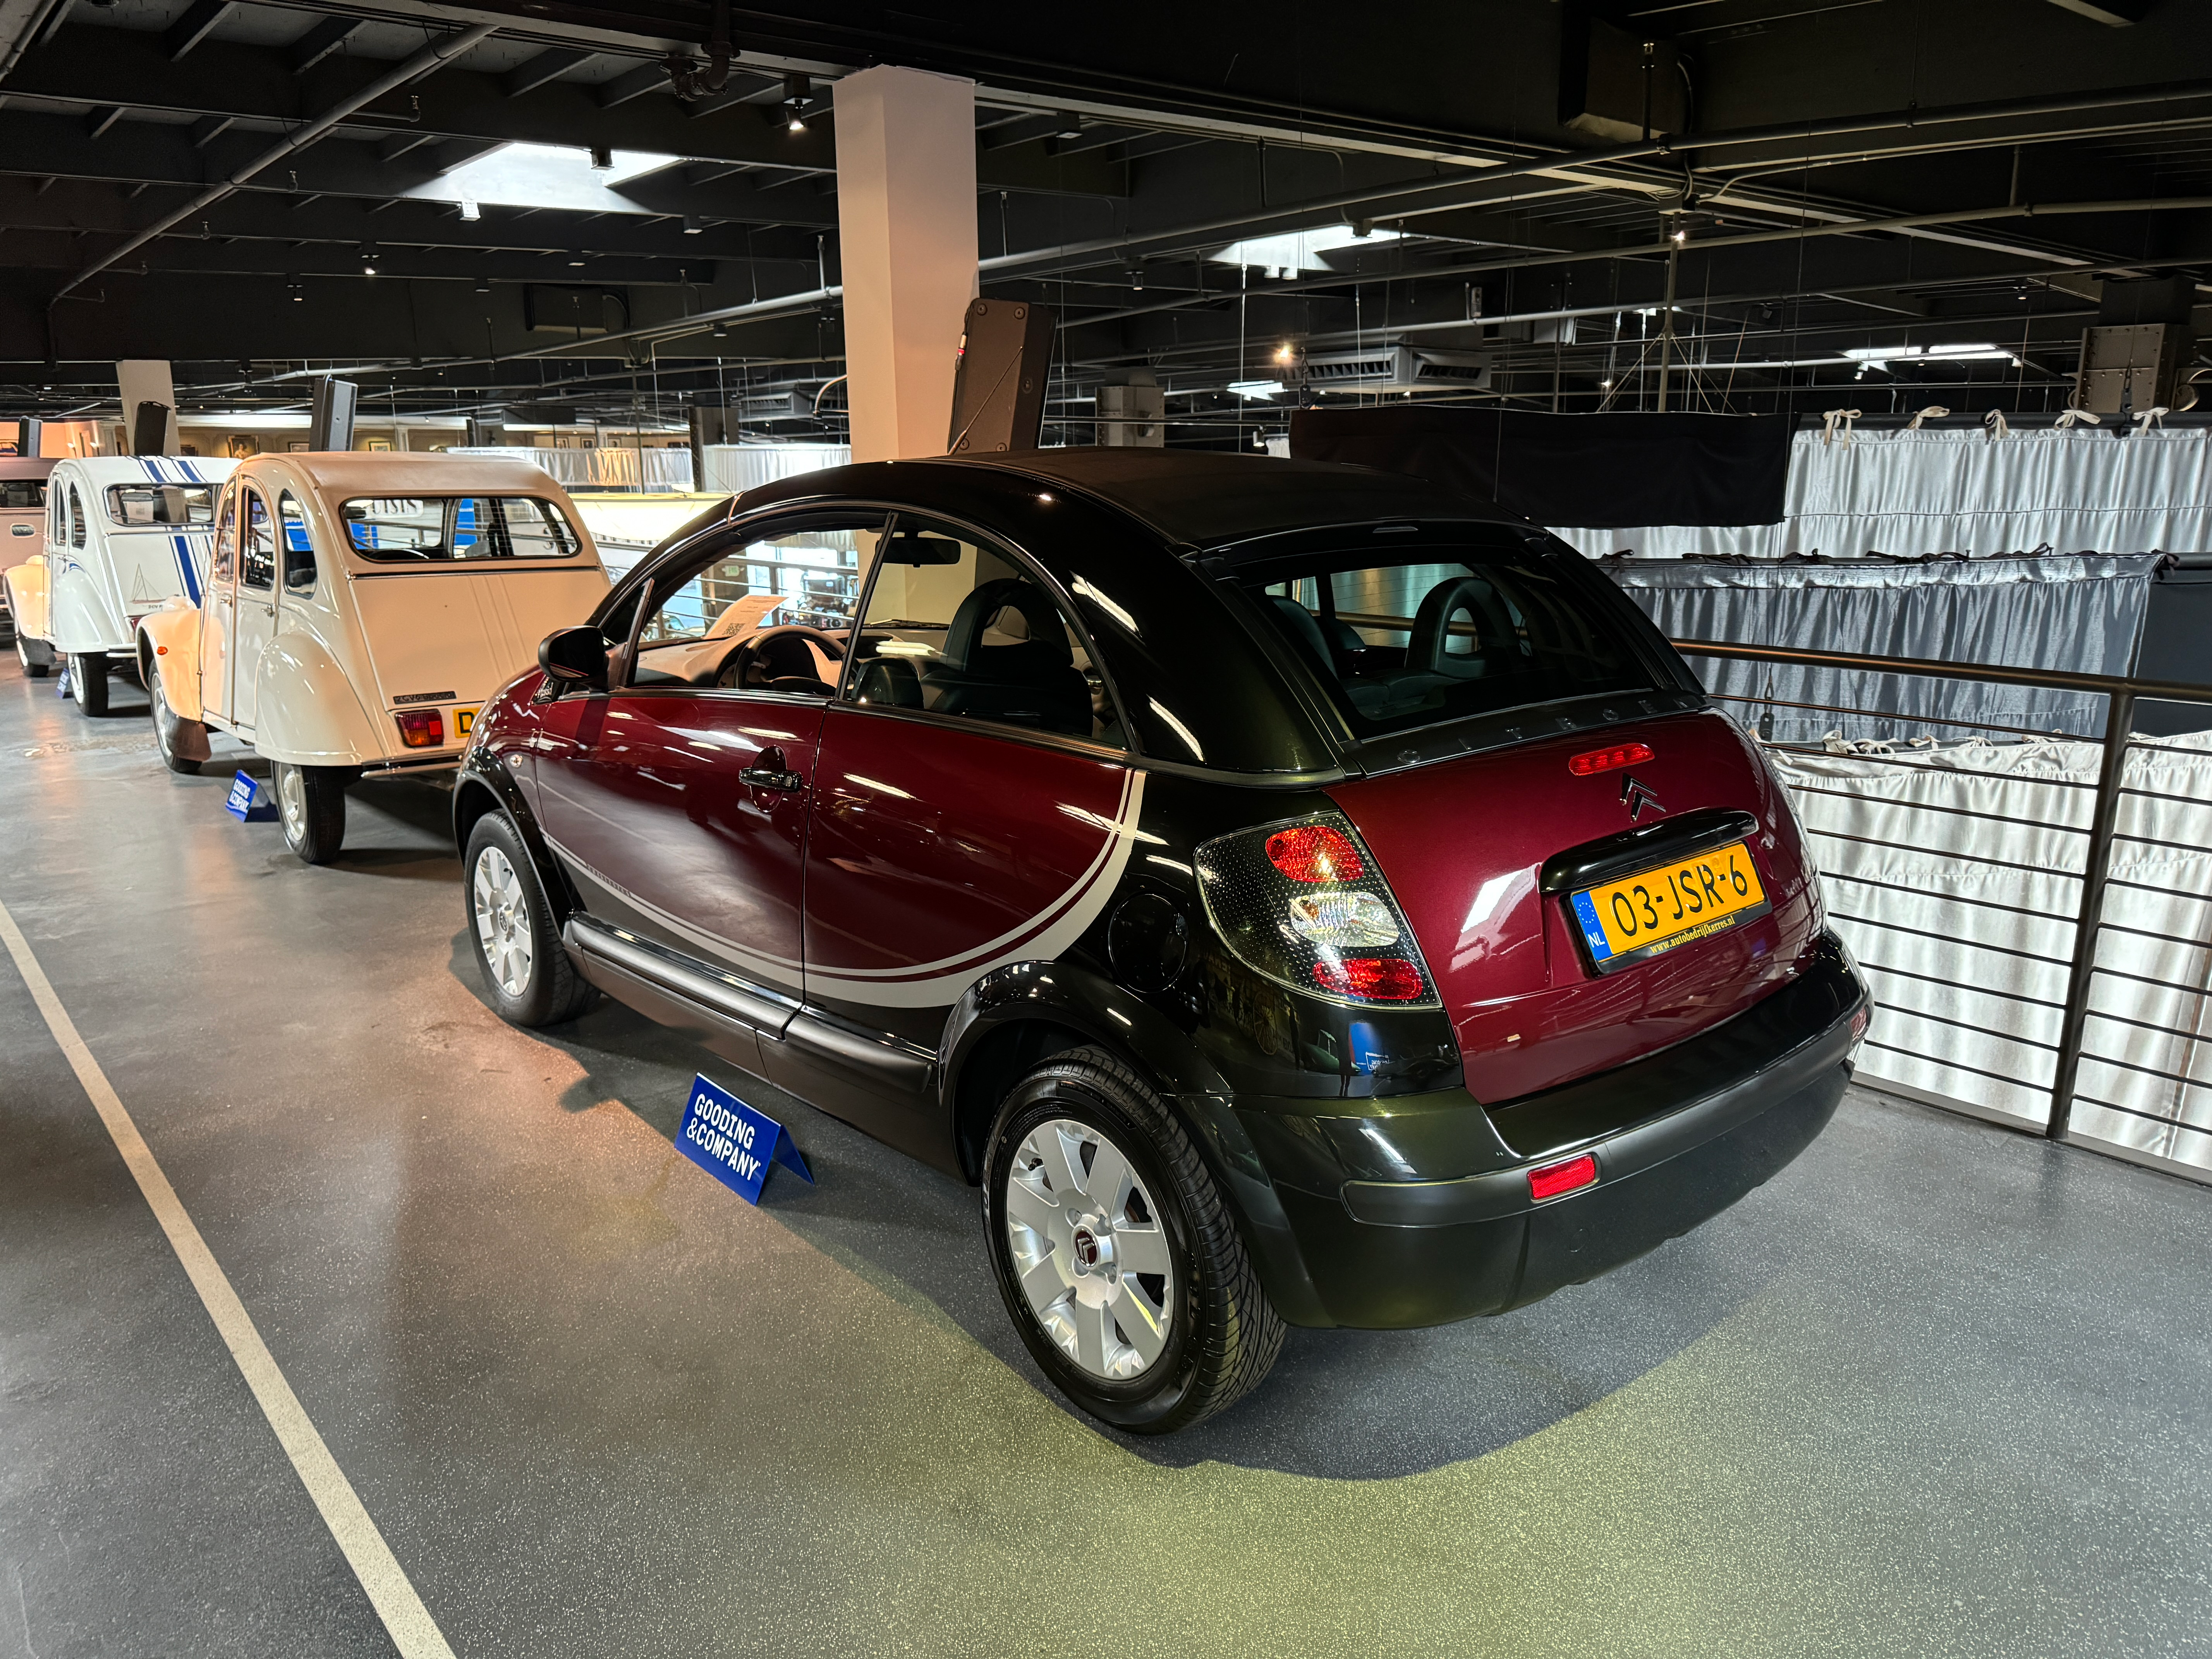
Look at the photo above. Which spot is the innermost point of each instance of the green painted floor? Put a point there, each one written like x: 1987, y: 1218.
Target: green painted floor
x: 1937, y: 1389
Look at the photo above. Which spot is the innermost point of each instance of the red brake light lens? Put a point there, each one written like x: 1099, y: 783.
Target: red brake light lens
x: 1371, y: 979
x: 422, y: 728
x: 1552, y: 1179
x: 1604, y: 760
x: 1314, y: 852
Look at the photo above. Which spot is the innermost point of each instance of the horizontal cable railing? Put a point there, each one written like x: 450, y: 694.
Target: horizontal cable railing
x: 2038, y: 903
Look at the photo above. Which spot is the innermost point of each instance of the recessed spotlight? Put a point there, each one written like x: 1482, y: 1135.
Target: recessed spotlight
x: 1285, y: 354
x: 368, y: 270
x: 693, y: 224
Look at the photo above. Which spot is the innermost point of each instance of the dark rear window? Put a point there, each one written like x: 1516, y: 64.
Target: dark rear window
x: 19, y: 493
x: 1447, y: 633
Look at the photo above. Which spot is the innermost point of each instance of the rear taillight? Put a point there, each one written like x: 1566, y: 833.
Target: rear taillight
x: 1304, y: 904
x: 422, y: 728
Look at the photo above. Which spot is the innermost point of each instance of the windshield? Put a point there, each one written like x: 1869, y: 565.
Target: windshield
x: 189, y: 506
x: 1403, y: 645
x: 446, y: 528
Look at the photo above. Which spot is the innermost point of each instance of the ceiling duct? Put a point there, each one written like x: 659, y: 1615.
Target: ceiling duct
x: 1397, y: 368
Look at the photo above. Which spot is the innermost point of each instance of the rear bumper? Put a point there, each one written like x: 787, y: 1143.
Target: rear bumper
x: 1676, y: 1138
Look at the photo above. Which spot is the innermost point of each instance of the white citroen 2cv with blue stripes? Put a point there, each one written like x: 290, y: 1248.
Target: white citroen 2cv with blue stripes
x: 124, y: 535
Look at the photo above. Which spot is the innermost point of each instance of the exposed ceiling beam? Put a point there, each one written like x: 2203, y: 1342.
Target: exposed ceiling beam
x: 200, y: 20
x: 320, y: 42
x: 431, y: 56
x: 548, y: 65
x: 2117, y: 13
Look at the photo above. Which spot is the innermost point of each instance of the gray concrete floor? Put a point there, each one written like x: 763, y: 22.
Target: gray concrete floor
x: 1936, y: 1389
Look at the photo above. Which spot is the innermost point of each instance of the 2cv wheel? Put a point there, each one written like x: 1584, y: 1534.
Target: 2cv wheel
x: 311, y: 802
x: 183, y: 743
x: 89, y: 681
x: 32, y: 671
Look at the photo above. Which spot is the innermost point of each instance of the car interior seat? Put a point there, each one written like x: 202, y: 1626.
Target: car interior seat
x: 1030, y: 682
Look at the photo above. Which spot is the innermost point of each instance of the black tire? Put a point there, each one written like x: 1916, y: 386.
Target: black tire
x: 183, y: 743
x: 1222, y: 1334
x: 89, y: 681
x: 32, y: 671
x: 549, y: 989
x: 311, y: 805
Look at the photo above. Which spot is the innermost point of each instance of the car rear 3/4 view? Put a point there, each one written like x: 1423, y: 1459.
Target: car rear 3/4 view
x: 1606, y: 904
x: 1287, y: 914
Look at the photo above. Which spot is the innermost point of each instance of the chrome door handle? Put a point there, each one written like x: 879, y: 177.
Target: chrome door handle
x: 761, y: 778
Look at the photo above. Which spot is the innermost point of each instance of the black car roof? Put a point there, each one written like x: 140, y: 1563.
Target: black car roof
x: 1210, y: 500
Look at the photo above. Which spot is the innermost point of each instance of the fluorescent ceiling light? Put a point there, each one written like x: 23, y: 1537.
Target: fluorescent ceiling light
x: 1251, y: 390
x: 1954, y: 353
x: 1297, y: 251
x: 545, y: 175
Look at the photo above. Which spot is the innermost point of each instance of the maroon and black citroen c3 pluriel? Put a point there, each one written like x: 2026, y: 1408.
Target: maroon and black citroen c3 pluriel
x: 1294, y: 893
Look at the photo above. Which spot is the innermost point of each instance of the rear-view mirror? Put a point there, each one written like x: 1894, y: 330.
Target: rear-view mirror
x: 574, y: 656
x: 911, y: 547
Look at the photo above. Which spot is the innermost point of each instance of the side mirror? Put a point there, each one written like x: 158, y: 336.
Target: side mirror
x: 573, y: 658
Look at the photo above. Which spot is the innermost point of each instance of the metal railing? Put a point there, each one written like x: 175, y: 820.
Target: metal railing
x: 1856, y: 898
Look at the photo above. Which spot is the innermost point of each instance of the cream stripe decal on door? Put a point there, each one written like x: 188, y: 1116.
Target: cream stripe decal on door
x: 409, y: 1623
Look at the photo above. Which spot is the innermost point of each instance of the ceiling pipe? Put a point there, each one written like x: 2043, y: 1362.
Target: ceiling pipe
x: 430, y: 58
x: 1682, y: 144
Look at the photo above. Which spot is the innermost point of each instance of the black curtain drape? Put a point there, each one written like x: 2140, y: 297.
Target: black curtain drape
x: 1601, y: 472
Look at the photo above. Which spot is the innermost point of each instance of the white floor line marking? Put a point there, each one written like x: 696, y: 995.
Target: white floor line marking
x: 413, y: 1631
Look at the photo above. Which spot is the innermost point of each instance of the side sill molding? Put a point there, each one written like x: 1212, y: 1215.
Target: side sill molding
x: 721, y: 994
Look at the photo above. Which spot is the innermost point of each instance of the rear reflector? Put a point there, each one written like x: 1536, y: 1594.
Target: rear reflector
x: 1553, y: 1179
x: 1604, y: 760
x: 1314, y: 852
x: 1371, y: 979
x: 422, y: 728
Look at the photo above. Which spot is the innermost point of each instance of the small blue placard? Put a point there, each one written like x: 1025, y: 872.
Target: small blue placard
x: 734, y: 1143
x: 247, y: 803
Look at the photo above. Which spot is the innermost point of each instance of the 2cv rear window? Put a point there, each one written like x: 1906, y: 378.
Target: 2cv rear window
x: 443, y: 529
x: 188, y: 504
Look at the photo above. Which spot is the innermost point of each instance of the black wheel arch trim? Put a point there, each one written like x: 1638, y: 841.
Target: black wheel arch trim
x: 1098, y: 1013
x: 480, y: 776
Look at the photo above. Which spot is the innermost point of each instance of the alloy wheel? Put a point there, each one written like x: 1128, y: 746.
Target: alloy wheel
x: 503, y: 921
x: 1089, y: 1250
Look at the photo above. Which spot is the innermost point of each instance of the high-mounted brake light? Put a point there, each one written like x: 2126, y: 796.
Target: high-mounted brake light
x: 1304, y: 904
x: 422, y: 728
x: 1552, y: 1179
x: 1314, y: 852
x: 1606, y: 760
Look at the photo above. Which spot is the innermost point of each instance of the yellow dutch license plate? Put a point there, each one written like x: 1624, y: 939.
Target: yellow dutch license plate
x: 1663, y: 909
x: 463, y: 719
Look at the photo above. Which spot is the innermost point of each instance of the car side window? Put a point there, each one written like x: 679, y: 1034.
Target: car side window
x: 257, y: 553
x: 299, y: 547
x: 76, y: 518
x: 225, y: 540
x: 957, y: 625
x: 771, y: 614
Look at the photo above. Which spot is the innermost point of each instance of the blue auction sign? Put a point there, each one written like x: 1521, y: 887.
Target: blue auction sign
x: 247, y: 803
x: 734, y: 1143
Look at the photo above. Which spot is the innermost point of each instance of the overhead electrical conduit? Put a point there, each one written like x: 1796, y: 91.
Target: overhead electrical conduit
x: 431, y: 57
x: 1411, y: 195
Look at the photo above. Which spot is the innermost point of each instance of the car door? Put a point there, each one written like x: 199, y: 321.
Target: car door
x: 677, y: 801
x: 219, y: 610
x: 974, y: 801
x: 253, y: 614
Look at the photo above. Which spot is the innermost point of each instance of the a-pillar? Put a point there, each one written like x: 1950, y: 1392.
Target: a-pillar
x: 906, y: 225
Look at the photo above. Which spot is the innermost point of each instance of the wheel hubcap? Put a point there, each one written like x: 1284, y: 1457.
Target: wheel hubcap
x: 1089, y: 1250
x: 292, y: 801
x: 502, y: 924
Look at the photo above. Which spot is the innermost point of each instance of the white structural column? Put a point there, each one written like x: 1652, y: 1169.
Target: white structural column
x: 906, y: 223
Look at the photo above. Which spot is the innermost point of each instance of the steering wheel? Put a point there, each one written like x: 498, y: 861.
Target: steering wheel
x: 767, y: 647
